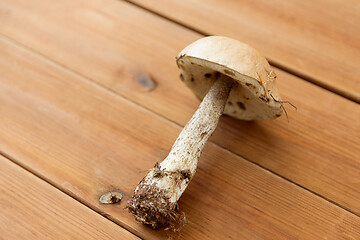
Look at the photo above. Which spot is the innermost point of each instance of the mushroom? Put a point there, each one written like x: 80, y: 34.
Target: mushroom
x: 229, y: 77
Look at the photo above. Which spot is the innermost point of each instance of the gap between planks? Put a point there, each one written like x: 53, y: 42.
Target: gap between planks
x: 277, y: 64
x: 104, y: 93
x: 21, y: 223
x: 115, y: 60
x: 72, y: 195
x: 89, y: 80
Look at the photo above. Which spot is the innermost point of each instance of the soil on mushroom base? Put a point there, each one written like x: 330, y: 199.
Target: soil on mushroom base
x: 151, y: 206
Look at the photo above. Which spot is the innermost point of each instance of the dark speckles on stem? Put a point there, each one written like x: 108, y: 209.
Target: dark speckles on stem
x: 157, y: 166
x: 186, y: 174
x: 203, y: 135
x: 157, y: 172
x: 241, y: 105
x: 207, y: 75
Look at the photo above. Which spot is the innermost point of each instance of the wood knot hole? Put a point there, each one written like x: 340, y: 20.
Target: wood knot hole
x: 146, y: 82
x: 110, y: 197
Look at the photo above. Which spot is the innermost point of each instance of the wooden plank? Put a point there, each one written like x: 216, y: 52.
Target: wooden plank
x: 33, y: 209
x: 322, y: 47
x: 107, y: 42
x: 87, y: 140
x: 318, y: 40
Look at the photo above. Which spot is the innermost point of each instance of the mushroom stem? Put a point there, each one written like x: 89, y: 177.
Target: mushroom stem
x: 155, y: 199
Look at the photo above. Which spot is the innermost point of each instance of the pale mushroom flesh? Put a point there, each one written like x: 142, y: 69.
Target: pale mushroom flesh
x: 222, y: 90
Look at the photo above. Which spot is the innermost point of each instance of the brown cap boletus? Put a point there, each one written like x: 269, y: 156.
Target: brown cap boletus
x: 229, y: 77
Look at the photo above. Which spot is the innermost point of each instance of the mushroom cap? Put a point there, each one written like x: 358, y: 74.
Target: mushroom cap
x: 254, y: 95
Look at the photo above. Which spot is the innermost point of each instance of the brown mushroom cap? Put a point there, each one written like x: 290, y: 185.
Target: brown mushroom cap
x: 253, y: 93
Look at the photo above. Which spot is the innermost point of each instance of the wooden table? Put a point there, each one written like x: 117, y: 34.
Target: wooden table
x: 90, y: 98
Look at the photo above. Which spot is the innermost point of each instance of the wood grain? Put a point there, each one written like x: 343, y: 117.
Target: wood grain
x: 86, y: 140
x: 32, y: 209
x: 107, y: 42
x: 317, y: 40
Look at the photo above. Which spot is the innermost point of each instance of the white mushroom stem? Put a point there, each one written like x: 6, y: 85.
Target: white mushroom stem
x: 157, y: 194
x: 188, y: 146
